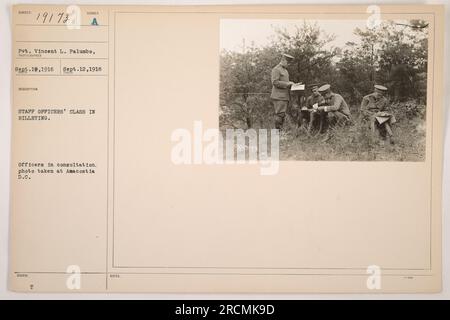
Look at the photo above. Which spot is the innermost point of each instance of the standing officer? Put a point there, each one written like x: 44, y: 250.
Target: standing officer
x: 280, y: 89
x: 375, y: 109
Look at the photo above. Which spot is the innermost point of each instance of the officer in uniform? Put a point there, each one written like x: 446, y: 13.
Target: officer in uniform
x: 312, y: 102
x: 334, y: 109
x: 375, y: 109
x: 280, y: 89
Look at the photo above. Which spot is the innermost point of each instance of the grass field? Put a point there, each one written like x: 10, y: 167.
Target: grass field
x: 353, y: 142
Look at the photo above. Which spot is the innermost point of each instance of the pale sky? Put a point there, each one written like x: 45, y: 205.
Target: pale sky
x: 232, y: 31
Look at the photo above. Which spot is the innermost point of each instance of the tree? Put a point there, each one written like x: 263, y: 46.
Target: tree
x: 308, y: 44
x: 394, y: 54
x: 245, y: 87
x: 245, y: 83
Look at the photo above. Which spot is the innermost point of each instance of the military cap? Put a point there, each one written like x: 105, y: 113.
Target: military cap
x: 324, y: 88
x: 315, y: 84
x: 380, y: 87
x: 288, y: 56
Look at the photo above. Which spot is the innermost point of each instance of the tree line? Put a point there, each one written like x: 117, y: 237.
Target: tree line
x: 393, y: 54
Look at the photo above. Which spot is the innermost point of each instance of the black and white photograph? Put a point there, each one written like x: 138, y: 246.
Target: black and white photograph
x: 337, y: 90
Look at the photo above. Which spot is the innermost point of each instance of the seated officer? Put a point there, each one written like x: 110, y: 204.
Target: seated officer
x: 334, y: 109
x: 375, y: 108
x: 312, y: 102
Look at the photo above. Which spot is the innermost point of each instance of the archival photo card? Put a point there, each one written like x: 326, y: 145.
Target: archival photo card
x: 227, y: 149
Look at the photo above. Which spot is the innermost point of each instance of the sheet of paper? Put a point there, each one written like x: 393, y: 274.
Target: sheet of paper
x: 127, y: 177
x: 297, y: 87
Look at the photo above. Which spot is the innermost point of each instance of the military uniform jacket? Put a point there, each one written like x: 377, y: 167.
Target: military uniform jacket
x: 280, y: 83
x: 337, y: 103
x: 373, y: 103
x: 312, y: 100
